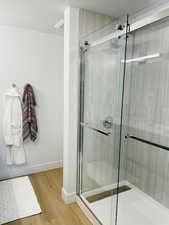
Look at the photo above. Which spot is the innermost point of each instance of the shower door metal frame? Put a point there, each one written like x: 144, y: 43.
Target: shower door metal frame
x: 82, y: 51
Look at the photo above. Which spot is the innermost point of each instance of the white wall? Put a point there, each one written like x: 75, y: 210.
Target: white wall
x: 28, y: 56
x: 71, y: 84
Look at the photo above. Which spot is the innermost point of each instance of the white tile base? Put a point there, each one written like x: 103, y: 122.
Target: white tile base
x: 135, y: 208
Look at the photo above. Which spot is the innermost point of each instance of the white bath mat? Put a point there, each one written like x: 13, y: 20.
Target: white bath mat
x: 17, y: 200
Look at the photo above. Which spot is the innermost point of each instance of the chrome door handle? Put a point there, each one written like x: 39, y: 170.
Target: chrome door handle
x: 95, y: 129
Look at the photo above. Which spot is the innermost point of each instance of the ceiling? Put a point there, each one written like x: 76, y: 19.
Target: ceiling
x: 44, y: 14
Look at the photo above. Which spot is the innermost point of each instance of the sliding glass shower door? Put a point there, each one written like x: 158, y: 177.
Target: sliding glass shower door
x: 102, y: 74
x: 124, y: 142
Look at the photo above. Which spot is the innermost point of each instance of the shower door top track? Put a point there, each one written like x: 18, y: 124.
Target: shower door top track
x: 156, y: 16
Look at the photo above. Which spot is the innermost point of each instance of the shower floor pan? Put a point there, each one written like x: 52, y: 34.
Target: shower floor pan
x: 135, y: 207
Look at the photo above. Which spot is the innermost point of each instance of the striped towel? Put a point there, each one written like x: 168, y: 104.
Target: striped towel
x: 30, y: 128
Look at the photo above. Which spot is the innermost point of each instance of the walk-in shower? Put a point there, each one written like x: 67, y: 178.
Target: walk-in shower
x: 123, y: 157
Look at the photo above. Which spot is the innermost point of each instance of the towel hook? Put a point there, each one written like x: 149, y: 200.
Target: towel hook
x: 14, y: 85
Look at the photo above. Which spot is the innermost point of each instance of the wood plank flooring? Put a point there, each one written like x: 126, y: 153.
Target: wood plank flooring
x: 47, y: 186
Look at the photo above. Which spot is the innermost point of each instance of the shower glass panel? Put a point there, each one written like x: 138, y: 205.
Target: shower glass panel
x: 101, y: 101
x: 147, y: 133
x: 123, y: 164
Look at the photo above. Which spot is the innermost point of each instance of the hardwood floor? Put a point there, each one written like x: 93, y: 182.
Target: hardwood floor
x: 47, y: 186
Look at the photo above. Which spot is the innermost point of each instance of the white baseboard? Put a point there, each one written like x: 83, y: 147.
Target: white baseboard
x: 16, y: 171
x: 87, y: 212
x: 45, y: 166
x: 68, y: 197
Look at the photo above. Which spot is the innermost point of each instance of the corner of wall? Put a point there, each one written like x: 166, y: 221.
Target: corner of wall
x: 71, y: 83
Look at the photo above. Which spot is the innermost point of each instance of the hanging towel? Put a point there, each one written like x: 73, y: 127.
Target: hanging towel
x: 30, y: 128
x: 12, y: 127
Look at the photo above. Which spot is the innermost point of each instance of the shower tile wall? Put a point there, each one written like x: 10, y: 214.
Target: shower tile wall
x: 148, y: 116
x: 94, y: 25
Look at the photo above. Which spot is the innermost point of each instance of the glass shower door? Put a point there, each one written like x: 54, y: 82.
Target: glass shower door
x: 147, y: 152
x: 101, y: 100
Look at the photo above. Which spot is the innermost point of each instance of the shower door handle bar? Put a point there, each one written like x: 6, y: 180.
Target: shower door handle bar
x: 148, y: 142
x: 95, y: 129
